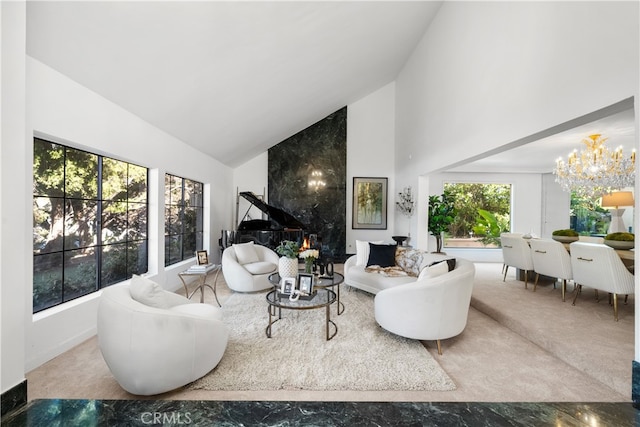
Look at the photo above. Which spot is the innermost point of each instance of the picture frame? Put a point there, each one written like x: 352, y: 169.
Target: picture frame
x: 202, y: 257
x: 369, y: 203
x: 305, y: 283
x: 288, y: 285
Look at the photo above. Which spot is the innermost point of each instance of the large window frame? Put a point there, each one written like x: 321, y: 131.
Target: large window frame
x: 90, y: 222
x: 183, y: 218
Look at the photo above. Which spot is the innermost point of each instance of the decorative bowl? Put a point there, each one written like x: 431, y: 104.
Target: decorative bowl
x: 565, y: 239
x: 620, y: 244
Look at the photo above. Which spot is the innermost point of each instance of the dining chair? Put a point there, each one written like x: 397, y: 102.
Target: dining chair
x: 516, y: 253
x: 599, y: 267
x: 550, y: 258
x: 513, y: 235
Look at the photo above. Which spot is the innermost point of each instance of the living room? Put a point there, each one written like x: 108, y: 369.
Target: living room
x: 466, y: 89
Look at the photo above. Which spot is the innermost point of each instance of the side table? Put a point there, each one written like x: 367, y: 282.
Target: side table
x: 202, y: 280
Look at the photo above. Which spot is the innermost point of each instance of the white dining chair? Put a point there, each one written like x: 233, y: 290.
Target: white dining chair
x: 516, y: 253
x: 599, y: 267
x: 550, y: 258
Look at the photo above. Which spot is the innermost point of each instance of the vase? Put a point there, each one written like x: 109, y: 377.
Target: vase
x: 288, y: 267
x: 308, y: 265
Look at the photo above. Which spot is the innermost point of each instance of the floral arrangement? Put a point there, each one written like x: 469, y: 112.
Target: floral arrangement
x: 288, y: 249
x: 406, y: 204
x: 309, y: 256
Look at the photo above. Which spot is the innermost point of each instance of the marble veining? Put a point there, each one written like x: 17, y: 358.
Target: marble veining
x: 63, y: 412
x: 320, y: 147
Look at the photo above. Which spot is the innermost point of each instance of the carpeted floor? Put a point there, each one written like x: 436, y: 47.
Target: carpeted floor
x: 488, y: 362
x: 361, y: 356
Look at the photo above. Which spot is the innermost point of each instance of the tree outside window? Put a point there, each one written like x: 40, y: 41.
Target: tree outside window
x: 89, y: 222
x: 483, y: 212
x: 184, y: 209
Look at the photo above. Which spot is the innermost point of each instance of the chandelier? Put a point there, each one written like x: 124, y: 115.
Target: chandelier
x: 595, y: 170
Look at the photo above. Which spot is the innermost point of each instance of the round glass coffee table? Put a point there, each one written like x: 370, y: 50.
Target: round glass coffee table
x: 322, y: 298
x: 319, y: 282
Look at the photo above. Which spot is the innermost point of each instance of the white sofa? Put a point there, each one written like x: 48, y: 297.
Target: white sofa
x: 429, y: 308
x: 162, y: 344
x: 246, y: 267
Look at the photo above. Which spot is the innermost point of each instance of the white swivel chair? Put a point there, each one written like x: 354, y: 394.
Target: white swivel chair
x: 550, y: 258
x: 516, y: 253
x: 154, y: 341
x: 246, y: 267
x: 600, y: 268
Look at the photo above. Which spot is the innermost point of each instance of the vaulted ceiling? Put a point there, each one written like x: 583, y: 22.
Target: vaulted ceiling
x: 228, y: 78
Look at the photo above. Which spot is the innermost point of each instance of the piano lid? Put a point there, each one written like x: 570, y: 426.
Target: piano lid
x: 276, y: 215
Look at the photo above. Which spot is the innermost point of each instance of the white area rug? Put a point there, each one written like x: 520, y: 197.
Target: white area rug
x: 362, y: 356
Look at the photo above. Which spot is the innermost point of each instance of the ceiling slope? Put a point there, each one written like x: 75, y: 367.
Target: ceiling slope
x: 228, y: 78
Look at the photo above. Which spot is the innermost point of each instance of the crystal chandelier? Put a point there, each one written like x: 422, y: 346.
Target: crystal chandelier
x: 596, y: 170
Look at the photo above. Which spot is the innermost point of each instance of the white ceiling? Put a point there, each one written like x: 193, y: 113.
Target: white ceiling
x: 229, y: 78
x: 539, y: 155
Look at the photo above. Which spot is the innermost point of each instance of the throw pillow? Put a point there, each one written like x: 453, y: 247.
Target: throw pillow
x: 438, y: 268
x: 147, y: 292
x: 382, y: 255
x: 362, y: 251
x: 409, y: 260
x: 245, y: 253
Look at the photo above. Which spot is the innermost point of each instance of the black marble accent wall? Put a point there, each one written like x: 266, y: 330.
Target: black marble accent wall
x: 318, y: 153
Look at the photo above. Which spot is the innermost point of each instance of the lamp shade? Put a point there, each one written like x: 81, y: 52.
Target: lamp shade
x: 617, y: 198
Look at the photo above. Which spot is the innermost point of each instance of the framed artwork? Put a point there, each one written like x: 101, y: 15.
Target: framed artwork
x: 369, y: 203
x: 288, y: 285
x: 202, y: 257
x: 305, y: 283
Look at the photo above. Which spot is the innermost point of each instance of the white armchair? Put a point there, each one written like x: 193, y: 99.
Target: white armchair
x: 432, y: 308
x: 246, y: 267
x: 162, y: 344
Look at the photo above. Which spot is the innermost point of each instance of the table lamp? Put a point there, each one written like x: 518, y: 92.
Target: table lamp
x: 613, y: 201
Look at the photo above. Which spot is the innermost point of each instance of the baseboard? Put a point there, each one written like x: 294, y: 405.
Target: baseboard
x: 14, y: 398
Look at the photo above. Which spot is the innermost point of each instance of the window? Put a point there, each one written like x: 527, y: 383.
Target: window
x: 183, y: 223
x: 89, y: 222
x: 484, y: 211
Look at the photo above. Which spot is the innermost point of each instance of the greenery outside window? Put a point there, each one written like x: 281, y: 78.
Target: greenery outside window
x: 484, y: 211
x: 89, y: 222
x: 183, y: 218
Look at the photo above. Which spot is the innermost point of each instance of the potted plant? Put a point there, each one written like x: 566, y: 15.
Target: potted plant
x: 566, y: 235
x: 442, y: 213
x: 620, y: 240
x: 288, y: 263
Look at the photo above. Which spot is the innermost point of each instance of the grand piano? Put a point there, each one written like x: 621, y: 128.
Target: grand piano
x: 269, y: 232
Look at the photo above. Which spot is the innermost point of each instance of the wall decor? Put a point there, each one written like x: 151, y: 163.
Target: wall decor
x: 369, y: 203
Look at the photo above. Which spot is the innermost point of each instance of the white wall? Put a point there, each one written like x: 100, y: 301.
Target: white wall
x: 370, y: 153
x: 68, y: 113
x: 15, y: 227
x: 251, y: 176
x: 489, y: 73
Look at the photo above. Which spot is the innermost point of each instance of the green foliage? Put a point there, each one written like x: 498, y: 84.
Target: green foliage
x: 489, y: 226
x: 621, y: 237
x: 442, y: 212
x: 587, y: 214
x: 288, y: 248
x: 469, y: 197
x: 565, y: 232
